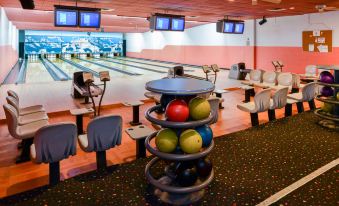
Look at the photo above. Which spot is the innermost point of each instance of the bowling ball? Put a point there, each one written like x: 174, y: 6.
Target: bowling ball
x: 187, y: 177
x: 165, y: 100
x: 206, y: 134
x: 166, y: 140
x: 327, y: 91
x: 327, y: 107
x: 190, y: 141
x: 326, y: 77
x: 204, y: 167
x: 199, y: 108
x: 177, y: 111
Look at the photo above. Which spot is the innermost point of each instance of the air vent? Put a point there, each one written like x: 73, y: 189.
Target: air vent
x: 27, y: 4
x: 276, y: 9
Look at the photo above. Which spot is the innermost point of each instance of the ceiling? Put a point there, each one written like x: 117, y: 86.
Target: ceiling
x: 118, y: 17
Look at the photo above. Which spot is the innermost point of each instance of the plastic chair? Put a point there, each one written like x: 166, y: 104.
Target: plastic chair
x: 261, y: 104
x: 25, y: 110
x: 52, y: 144
x: 214, y: 103
x: 24, y: 132
x: 278, y: 101
x: 103, y: 133
x: 306, y: 95
x: 255, y: 78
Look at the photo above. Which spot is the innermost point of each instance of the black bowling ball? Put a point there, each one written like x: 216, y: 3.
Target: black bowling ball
x: 187, y: 177
x: 204, y: 167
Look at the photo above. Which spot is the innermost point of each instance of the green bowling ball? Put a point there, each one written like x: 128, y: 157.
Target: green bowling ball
x: 166, y: 140
x: 327, y: 107
x: 199, y: 108
x: 190, y: 141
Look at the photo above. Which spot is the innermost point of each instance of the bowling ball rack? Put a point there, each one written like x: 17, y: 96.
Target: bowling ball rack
x: 166, y: 188
x: 330, y: 119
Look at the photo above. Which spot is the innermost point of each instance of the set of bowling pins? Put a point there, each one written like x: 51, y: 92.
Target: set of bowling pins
x: 110, y: 54
x: 51, y: 56
x: 96, y: 55
x: 67, y: 56
x: 83, y: 56
x: 33, y: 57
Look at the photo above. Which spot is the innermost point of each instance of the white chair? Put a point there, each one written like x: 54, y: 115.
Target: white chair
x: 255, y: 78
x: 306, y: 95
x: 27, y: 118
x: 214, y: 102
x: 24, y: 132
x: 103, y: 133
x: 261, y: 104
x: 25, y: 110
x: 278, y: 101
x: 269, y: 79
x: 283, y: 80
x: 52, y: 144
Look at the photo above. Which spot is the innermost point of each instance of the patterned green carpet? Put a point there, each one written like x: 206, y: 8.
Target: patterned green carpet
x: 250, y: 166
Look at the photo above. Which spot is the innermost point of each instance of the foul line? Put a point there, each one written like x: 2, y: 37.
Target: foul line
x: 282, y: 193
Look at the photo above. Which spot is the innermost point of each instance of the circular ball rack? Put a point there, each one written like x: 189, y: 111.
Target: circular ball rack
x: 166, y: 188
x: 330, y: 119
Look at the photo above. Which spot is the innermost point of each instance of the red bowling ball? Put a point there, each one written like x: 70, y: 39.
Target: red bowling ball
x: 177, y: 111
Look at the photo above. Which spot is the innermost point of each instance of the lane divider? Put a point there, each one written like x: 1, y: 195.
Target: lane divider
x: 96, y: 74
x: 174, y: 63
x: 282, y: 193
x: 128, y: 60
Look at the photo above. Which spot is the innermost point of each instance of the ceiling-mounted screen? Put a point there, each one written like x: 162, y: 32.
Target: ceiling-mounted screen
x: 89, y: 19
x: 178, y: 24
x: 162, y: 23
x: 65, y: 18
x: 228, y: 27
x: 239, y: 28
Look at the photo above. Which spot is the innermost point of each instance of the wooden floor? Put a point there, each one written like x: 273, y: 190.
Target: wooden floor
x: 15, y: 178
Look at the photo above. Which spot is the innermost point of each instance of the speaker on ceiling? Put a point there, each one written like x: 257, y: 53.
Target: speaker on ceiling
x: 27, y: 4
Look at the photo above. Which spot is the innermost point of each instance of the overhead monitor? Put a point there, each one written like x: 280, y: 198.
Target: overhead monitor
x: 239, y: 28
x: 89, y: 19
x: 65, y: 18
x: 228, y: 27
x: 178, y: 24
x: 162, y: 23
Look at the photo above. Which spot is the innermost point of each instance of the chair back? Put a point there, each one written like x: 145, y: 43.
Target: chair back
x: 255, y: 76
x: 214, y: 103
x: 309, y: 91
x: 262, y: 100
x: 280, y: 98
x: 270, y: 78
x: 296, y: 81
x: 55, y: 142
x: 104, y: 133
x: 311, y: 71
x: 13, y: 94
x: 285, y: 79
x: 12, y: 120
x: 12, y: 101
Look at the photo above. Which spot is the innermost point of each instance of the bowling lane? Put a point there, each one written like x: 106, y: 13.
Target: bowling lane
x: 36, y: 72
x: 157, y: 63
x: 98, y: 68
x: 66, y: 67
x: 130, y: 68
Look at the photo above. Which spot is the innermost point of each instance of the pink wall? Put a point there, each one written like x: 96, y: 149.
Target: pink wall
x: 224, y: 56
x: 8, y: 58
x: 294, y: 58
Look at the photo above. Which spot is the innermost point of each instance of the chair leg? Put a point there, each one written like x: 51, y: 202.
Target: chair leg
x: 311, y: 104
x: 254, y: 119
x: 25, y: 151
x: 252, y: 92
x: 295, y: 90
x: 288, y: 110
x: 300, y: 107
x: 101, y: 160
x: 54, y: 173
x: 271, y: 114
x: 247, y: 96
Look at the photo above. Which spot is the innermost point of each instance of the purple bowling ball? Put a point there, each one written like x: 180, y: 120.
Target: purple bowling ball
x: 327, y: 91
x: 326, y: 77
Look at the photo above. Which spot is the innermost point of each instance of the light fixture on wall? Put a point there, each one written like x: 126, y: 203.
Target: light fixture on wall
x: 263, y: 21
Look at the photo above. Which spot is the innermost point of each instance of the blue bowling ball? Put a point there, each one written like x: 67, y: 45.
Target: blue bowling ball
x: 206, y: 134
x: 327, y: 91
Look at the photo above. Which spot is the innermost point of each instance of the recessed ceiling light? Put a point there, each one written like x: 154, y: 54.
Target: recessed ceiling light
x: 192, y: 17
x: 291, y: 8
x: 107, y: 9
x: 276, y: 9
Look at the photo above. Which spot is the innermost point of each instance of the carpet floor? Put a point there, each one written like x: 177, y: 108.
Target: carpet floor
x: 250, y: 166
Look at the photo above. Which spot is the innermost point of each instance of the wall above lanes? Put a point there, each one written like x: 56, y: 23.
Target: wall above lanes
x: 197, y: 45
